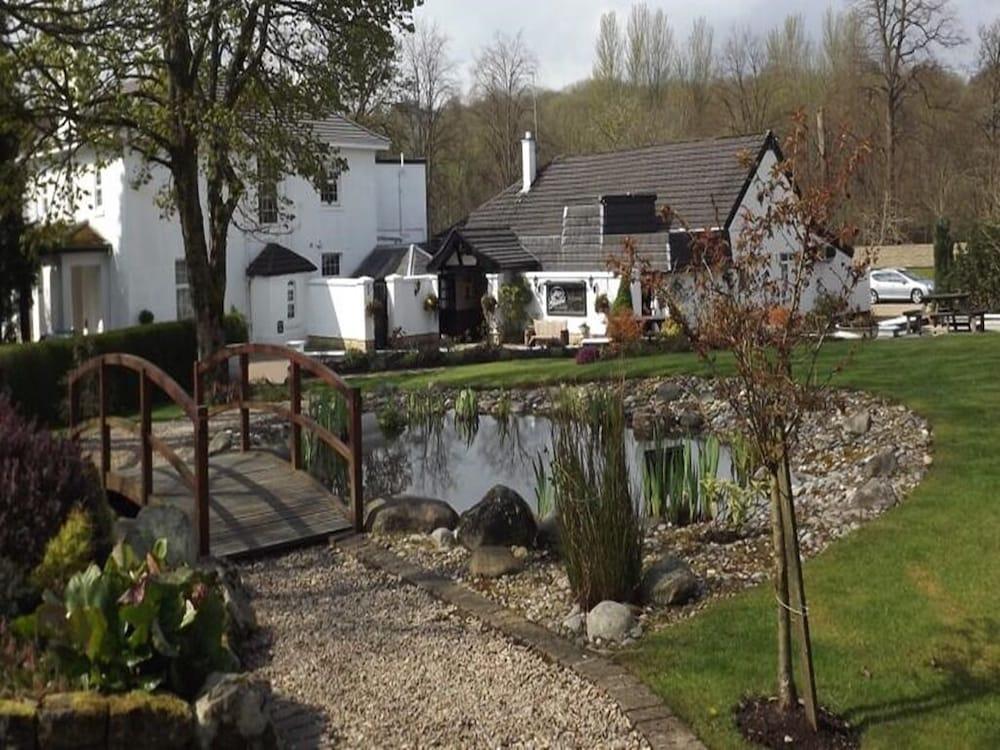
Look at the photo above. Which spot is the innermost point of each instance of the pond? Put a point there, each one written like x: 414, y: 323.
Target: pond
x: 460, y: 466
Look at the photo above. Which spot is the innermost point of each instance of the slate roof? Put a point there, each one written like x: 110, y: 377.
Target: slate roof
x: 387, y: 260
x: 558, y: 221
x: 78, y: 238
x: 338, y: 130
x: 278, y: 260
x: 498, y: 247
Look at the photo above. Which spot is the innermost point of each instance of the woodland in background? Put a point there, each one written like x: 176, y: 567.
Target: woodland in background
x: 875, y: 72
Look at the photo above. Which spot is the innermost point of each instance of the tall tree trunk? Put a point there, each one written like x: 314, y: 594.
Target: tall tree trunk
x: 889, y: 186
x: 787, y: 694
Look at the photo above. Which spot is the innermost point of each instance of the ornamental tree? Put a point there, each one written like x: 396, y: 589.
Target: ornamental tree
x: 215, y: 94
x: 742, y: 301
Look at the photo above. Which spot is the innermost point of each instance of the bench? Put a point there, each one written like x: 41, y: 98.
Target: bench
x: 547, y: 333
x: 914, y: 321
x: 964, y: 321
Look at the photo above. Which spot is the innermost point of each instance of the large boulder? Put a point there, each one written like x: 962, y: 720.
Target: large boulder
x: 235, y: 595
x: 162, y: 522
x: 883, y: 464
x: 407, y: 514
x: 669, y: 391
x: 501, y: 519
x: 858, y: 422
x: 221, y: 442
x: 668, y: 581
x: 493, y: 562
x: 875, y: 494
x: 233, y: 713
x: 610, y: 621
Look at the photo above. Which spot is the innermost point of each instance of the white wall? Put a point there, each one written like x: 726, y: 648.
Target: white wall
x: 598, y: 283
x: 337, y: 308
x: 269, y: 306
x: 406, y: 295
x: 401, y: 201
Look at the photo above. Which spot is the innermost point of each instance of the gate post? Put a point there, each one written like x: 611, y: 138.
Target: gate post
x: 295, y: 377
x: 105, y: 430
x: 244, y: 398
x: 145, y: 433
x: 201, y: 477
x: 357, y: 489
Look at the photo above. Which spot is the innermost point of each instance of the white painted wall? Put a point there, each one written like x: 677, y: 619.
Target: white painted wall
x: 406, y: 295
x: 269, y: 307
x: 337, y: 308
x: 597, y: 283
x: 401, y: 202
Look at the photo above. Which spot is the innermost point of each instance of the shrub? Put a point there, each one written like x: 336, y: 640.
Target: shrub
x: 146, y: 317
x: 600, y: 530
x: 623, y: 300
x: 35, y: 374
x: 587, y: 355
x: 944, y: 248
x: 42, y: 479
x: 976, y: 270
x: 135, y: 624
x: 513, y: 302
x: 623, y: 327
x: 70, y: 551
x: 355, y: 360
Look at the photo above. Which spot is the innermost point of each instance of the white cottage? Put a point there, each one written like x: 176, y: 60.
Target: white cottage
x: 557, y: 226
x: 290, y: 277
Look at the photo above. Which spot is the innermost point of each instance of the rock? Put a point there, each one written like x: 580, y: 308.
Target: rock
x: 17, y: 723
x: 234, y: 712
x: 547, y: 536
x: 610, y: 621
x: 492, y: 562
x: 668, y: 581
x: 858, y: 423
x: 575, y: 623
x: 235, y: 595
x: 691, y: 419
x: 520, y: 552
x: 162, y: 522
x: 443, y: 538
x: 157, y: 721
x: 882, y: 464
x: 875, y: 494
x: 501, y: 518
x: 407, y: 514
x: 220, y: 442
x: 73, y: 720
x: 668, y: 392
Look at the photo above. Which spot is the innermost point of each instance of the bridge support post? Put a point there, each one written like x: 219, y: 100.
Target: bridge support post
x: 145, y: 433
x: 356, y: 466
x: 295, y: 380
x: 201, y: 478
x: 104, y: 428
x: 244, y: 400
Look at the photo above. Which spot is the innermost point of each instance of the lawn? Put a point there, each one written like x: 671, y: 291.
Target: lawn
x: 905, y: 613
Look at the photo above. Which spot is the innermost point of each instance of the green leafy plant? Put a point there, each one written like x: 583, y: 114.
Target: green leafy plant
x: 600, y: 528
x: 679, y: 484
x: 467, y: 414
x: 391, y: 420
x: 502, y: 412
x: 425, y: 410
x: 329, y: 409
x: 544, y: 491
x: 70, y: 551
x: 976, y: 269
x: 146, y: 317
x: 513, y: 302
x: 135, y: 624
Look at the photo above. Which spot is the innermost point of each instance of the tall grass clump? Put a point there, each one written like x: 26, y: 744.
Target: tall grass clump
x: 329, y: 409
x: 600, y: 526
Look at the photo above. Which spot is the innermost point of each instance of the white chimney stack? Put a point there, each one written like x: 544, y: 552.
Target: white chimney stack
x: 529, y: 161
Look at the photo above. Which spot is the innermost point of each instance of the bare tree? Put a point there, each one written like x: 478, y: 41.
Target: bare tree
x: 502, y: 78
x: 748, y: 91
x: 650, y: 48
x: 610, y: 50
x: 902, y: 35
x: 428, y: 85
x: 696, y: 68
x: 987, y: 81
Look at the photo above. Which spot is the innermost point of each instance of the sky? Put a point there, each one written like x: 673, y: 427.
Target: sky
x: 561, y: 33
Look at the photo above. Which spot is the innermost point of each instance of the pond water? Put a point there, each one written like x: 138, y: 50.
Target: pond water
x: 460, y: 468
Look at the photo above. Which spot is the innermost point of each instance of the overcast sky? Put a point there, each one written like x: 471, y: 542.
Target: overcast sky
x: 561, y: 33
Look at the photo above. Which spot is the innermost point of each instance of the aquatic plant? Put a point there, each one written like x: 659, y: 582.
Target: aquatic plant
x: 544, y: 490
x: 467, y: 405
x: 425, y: 410
x: 391, y: 420
x: 600, y: 528
x: 679, y: 484
x: 502, y: 413
x: 329, y: 409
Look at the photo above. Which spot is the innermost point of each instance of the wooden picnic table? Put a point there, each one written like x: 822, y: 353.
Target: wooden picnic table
x: 915, y: 320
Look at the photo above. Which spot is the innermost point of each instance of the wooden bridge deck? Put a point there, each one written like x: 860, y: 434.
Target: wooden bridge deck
x: 257, y: 503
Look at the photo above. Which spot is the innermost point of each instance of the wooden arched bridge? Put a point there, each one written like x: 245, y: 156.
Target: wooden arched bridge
x: 239, y: 502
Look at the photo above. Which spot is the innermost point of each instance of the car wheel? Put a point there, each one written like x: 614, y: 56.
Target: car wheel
x: 874, y: 297
x: 916, y: 296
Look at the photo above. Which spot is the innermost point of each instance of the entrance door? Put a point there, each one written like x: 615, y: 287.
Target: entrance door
x: 381, y: 296
x: 87, y: 303
x: 461, y: 304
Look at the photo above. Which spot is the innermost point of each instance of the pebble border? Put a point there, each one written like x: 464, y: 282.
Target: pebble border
x: 647, y: 713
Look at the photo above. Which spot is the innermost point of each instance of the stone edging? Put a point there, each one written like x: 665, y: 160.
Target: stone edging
x: 647, y: 713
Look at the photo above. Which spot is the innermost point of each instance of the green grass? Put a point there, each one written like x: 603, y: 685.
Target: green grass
x: 905, y: 612
x: 926, y: 272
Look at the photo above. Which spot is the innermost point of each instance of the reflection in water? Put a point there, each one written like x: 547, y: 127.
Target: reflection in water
x: 459, y: 465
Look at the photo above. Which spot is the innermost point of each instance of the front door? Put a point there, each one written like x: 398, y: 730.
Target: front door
x: 461, y: 310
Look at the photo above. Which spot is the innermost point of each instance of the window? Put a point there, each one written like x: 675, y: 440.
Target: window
x: 785, y: 264
x: 566, y: 298
x: 267, y: 198
x: 330, y: 264
x: 291, y: 300
x: 185, y: 309
x: 98, y: 188
x: 329, y: 190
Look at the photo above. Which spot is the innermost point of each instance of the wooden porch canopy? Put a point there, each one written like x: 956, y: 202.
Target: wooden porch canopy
x: 487, y: 249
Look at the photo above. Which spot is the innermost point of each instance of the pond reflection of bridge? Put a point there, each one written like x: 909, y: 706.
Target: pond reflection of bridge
x: 243, y: 502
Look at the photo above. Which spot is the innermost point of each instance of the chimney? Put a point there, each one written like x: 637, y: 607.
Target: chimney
x: 529, y: 161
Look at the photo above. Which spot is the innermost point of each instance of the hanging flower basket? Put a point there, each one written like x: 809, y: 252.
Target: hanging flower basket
x: 431, y: 303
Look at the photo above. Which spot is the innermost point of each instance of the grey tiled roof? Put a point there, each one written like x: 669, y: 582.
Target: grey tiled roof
x: 338, y: 130
x: 278, y: 260
x: 558, y: 220
x: 499, y: 246
x: 387, y: 260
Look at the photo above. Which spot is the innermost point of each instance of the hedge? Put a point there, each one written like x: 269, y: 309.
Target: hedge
x: 35, y: 374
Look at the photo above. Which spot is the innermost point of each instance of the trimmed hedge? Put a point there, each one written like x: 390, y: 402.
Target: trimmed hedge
x: 35, y: 374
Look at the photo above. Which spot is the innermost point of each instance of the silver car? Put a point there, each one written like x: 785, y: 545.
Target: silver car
x: 898, y: 284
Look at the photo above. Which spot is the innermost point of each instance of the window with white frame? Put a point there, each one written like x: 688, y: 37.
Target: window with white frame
x: 267, y: 197
x: 329, y: 189
x: 182, y: 285
x: 98, y: 188
x: 291, y: 300
x: 330, y: 264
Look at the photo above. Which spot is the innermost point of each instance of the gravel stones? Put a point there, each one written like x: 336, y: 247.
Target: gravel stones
x: 493, y: 562
x: 408, y: 514
x: 668, y: 582
x: 391, y: 667
x: 502, y: 518
x: 610, y: 621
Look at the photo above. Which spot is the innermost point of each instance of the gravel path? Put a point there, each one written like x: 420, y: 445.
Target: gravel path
x: 390, y: 666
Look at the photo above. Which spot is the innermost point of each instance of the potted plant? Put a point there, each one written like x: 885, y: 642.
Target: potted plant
x: 431, y: 303
x: 584, y: 331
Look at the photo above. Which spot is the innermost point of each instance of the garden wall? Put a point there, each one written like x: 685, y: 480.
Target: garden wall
x: 337, y: 313
x: 406, y: 299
